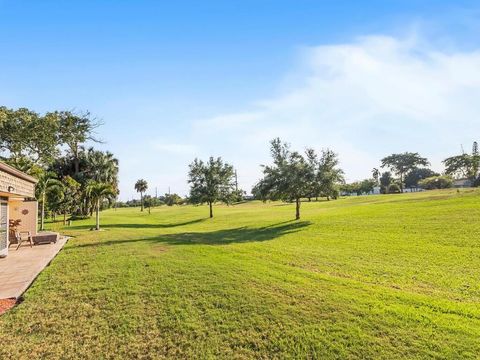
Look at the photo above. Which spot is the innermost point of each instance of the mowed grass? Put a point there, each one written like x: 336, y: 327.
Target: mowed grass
x: 394, y: 276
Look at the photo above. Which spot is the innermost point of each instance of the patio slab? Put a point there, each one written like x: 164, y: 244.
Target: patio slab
x: 20, y: 268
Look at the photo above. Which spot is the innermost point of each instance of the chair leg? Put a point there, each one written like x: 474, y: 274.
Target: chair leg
x: 31, y: 242
x: 19, y: 243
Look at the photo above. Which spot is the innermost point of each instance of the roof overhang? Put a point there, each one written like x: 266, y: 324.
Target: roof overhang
x: 12, y: 171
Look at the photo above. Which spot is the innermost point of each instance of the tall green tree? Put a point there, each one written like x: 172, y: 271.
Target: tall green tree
x: 386, y: 179
x: 75, y: 130
x: 402, y: 163
x: 27, y: 139
x: 329, y: 174
x: 376, y: 175
x: 101, y: 166
x: 98, y: 192
x: 288, y: 178
x: 415, y: 175
x: 94, y: 165
x: 141, y: 186
x: 210, y: 182
x: 313, y: 175
x: 71, y: 197
x: 464, y: 165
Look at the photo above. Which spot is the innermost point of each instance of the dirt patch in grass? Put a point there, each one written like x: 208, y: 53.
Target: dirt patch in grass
x: 6, y: 304
x: 160, y: 248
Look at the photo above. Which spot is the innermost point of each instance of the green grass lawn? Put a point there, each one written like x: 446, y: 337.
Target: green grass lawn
x: 393, y: 276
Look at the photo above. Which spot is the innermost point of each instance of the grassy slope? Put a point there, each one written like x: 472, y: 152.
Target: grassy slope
x: 378, y: 276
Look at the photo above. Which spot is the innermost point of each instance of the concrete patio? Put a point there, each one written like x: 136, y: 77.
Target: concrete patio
x: 20, y: 268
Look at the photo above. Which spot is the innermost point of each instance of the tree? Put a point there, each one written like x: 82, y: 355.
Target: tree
x: 98, y: 191
x: 436, y: 182
x: 94, y: 165
x: 313, y: 175
x: 465, y: 165
x: 329, y: 175
x: 289, y: 178
x: 400, y: 164
x: 71, y: 197
x: 366, y: 186
x: 393, y: 188
x: 172, y: 199
x: 417, y: 174
x: 385, y: 181
x: 27, y: 139
x: 359, y: 187
x: 46, y: 183
x: 376, y: 175
x: 211, y: 182
x: 141, y: 186
x: 76, y: 130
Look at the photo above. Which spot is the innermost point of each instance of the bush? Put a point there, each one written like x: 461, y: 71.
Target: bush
x: 394, y: 189
x: 436, y: 182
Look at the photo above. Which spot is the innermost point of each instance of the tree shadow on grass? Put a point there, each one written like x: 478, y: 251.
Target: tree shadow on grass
x: 218, y: 237
x: 138, y: 225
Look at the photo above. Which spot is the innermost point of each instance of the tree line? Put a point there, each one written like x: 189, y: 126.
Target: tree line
x: 411, y: 171
x: 78, y: 180
x: 294, y: 176
x: 73, y: 179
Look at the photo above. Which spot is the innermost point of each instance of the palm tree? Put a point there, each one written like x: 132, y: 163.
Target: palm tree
x: 97, y: 192
x: 141, y: 186
x: 96, y: 166
x: 46, y: 183
x: 102, y: 166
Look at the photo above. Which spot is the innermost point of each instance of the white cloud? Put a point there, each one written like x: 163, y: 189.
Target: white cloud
x: 364, y: 99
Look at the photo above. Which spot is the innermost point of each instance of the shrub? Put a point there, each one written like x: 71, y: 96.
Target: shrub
x: 393, y: 189
x: 436, y: 182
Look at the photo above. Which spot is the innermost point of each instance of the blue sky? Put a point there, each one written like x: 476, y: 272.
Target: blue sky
x: 176, y: 80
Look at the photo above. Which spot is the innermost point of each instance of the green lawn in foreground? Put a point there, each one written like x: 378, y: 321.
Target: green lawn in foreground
x: 393, y: 276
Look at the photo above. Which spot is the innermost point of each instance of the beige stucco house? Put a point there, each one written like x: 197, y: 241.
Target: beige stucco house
x: 17, y: 202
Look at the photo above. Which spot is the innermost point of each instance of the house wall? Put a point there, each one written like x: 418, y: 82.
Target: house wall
x: 11, y: 184
x: 27, y: 212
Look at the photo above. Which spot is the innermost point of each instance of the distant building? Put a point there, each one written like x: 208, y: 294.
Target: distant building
x: 462, y: 183
x: 413, y: 189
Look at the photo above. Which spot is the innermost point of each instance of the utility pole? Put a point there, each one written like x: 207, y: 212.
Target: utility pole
x: 236, y: 181
x: 156, y: 194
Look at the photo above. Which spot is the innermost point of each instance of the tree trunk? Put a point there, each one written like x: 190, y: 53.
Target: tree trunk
x: 211, y: 209
x: 309, y: 199
x: 64, y: 218
x: 76, y: 163
x: 76, y: 160
x: 42, y: 214
x: 97, y: 220
x: 401, y: 183
x: 141, y: 201
x: 297, y: 209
